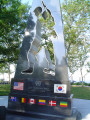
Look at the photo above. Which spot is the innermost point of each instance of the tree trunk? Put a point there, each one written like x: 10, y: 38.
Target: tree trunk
x: 79, y: 79
x: 81, y: 76
x: 3, y: 76
x: 9, y: 72
x: 72, y: 77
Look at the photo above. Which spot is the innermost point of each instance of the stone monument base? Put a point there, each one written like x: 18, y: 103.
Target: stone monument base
x: 36, y: 98
x: 29, y: 115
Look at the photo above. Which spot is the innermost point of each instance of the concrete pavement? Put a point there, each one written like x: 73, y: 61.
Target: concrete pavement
x: 83, y: 106
x: 4, y: 101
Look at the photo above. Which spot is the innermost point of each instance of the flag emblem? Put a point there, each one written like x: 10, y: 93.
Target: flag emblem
x: 52, y: 103
x: 63, y: 104
x: 42, y: 102
x: 13, y: 99
x: 18, y: 86
x: 23, y: 100
x: 32, y: 101
x: 60, y: 88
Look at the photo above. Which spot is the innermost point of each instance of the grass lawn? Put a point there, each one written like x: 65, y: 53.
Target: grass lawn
x: 4, y: 89
x: 79, y: 92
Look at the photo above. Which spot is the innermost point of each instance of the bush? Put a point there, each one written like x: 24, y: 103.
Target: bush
x: 80, y: 83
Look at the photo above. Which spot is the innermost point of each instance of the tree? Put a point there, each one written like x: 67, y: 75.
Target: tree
x: 76, y: 25
x: 13, y: 17
x: 48, y: 32
x: 2, y: 70
x: 88, y: 70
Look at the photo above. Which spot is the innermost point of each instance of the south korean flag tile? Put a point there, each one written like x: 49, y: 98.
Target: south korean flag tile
x: 60, y: 88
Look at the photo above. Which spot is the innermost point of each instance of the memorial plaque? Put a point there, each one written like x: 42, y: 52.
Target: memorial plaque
x: 41, y: 86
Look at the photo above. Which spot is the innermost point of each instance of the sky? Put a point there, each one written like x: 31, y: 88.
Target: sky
x: 27, y: 1
x: 30, y: 1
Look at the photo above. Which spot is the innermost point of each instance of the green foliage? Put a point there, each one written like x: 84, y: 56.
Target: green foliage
x: 13, y: 17
x: 76, y: 25
x: 77, y: 83
x: 88, y: 64
x: 87, y: 84
x: 80, y: 83
x: 48, y: 32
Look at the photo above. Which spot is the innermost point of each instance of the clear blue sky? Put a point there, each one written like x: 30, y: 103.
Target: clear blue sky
x: 30, y: 1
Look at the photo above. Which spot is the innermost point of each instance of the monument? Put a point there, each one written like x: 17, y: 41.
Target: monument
x: 41, y: 86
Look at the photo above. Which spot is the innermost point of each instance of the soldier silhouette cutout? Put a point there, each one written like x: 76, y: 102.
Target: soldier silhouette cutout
x: 44, y: 31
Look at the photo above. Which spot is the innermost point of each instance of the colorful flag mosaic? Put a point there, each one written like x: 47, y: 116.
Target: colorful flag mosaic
x: 63, y: 104
x: 42, y: 102
x: 52, y: 103
x: 18, y: 86
x: 23, y: 100
x: 60, y: 88
x: 13, y: 99
x: 32, y: 101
